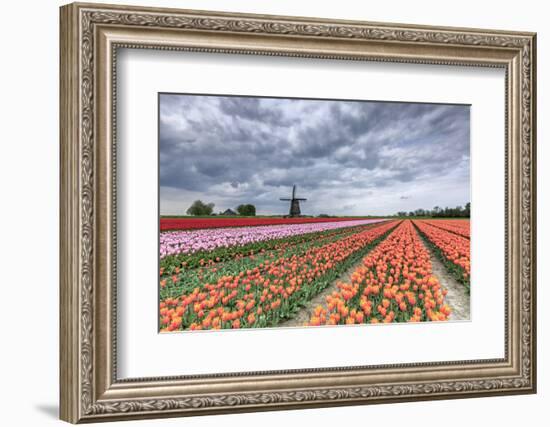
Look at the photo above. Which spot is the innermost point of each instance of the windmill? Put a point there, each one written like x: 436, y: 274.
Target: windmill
x: 294, y: 203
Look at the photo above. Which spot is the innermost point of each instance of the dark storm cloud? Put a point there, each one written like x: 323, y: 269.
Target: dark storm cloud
x: 236, y: 150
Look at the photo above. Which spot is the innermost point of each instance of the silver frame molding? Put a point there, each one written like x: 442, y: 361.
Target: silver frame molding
x: 90, y: 37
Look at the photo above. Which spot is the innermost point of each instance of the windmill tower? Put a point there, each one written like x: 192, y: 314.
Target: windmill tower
x: 294, y: 203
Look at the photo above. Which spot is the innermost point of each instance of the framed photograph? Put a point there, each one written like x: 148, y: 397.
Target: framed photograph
x: 267, y: 212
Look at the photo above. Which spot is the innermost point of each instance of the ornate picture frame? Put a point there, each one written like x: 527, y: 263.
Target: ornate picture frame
x: 90, y: 37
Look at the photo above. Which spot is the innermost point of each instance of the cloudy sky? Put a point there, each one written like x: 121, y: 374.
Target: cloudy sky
x: 346, y: 157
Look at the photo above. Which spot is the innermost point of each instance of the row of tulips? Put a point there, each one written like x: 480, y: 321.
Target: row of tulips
x: 178, y: 278
x: 178, y: 242
x: 217, y: 222
x: 394, y: 284
x: 269, y: 293
x: 191, y: 260
x: 457, y: 226
x: 452, y: 249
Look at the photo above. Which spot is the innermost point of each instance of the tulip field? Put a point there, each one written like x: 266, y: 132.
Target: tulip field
x: 265, y: 274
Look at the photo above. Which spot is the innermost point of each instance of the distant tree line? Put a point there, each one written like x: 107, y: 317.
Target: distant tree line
x: 199, y: 208
x: 437, y: 212
x: 246, y: 210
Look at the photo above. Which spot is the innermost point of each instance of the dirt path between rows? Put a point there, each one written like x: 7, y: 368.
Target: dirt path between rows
x: 305, y: 313
x: 457, y: 297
